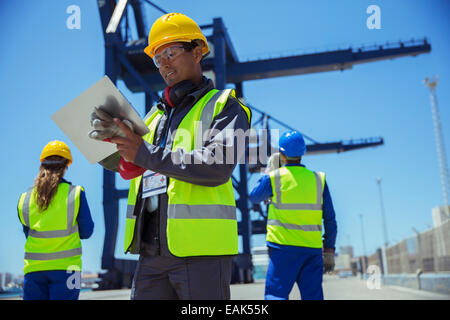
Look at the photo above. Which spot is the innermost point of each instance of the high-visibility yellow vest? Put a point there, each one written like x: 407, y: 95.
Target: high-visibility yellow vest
x: 295, y: 213
x: 53, y: 241
x: 200, y: 220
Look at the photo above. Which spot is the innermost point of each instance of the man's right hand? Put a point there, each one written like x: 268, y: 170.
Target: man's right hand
x: 104, y: 125
x: 273, y: 163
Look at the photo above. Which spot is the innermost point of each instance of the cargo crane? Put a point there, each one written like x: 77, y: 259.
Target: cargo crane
x: 125, y: 60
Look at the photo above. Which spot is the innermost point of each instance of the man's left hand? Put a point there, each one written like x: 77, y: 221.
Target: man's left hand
x: 328, y: 260
x: 128, y: 147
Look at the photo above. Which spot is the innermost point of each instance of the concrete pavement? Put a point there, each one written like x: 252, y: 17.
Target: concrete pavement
x: 334, y: 289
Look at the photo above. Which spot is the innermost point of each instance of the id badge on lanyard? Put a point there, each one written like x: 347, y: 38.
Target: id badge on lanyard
x: 153, y: 183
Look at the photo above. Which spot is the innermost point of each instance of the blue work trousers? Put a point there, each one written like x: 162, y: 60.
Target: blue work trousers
x: 287, y: 267
x: 49, y: 285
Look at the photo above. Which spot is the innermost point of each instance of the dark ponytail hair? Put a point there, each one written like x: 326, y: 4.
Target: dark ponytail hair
x: 52, y: 169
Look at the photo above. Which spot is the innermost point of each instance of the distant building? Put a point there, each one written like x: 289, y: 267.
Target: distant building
x: 440, y: 215
x: 343, y: 262
x: 346, y: 250
x: 5, y: 279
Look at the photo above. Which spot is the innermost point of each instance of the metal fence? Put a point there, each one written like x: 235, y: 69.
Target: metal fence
x: 428, y: 251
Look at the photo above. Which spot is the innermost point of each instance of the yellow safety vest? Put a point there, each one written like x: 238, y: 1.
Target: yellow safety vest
x: 295, y: 213
x: 53, y: 241
x: 200, y: 220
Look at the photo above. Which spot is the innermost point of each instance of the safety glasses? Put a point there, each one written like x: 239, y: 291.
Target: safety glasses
x: 170, y: 54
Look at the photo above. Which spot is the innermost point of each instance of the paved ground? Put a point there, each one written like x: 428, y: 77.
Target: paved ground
x: 355, y: 289
x: 334, y: 289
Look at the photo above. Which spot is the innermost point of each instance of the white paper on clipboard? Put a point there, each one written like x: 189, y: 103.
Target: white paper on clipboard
x: 74, y: 118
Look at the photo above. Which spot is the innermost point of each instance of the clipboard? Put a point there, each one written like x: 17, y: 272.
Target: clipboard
x: 74, y: 118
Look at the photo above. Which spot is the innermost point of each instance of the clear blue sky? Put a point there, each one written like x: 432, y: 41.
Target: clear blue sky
x: 44, y: 65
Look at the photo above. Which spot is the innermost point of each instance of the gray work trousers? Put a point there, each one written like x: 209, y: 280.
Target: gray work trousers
x: 190, y: 278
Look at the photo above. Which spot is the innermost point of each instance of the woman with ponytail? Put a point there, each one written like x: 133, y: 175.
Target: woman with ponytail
x: 55, y: 215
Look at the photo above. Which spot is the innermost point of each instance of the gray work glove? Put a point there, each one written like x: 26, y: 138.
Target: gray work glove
x: 104, y: 125
x: 328, y: 260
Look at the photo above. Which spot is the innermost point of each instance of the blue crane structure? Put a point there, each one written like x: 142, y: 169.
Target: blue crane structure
x: 125, y: 60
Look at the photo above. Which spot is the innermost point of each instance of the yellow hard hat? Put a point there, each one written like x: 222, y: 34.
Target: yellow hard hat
x: 56, y: 148
x: 174, y: 27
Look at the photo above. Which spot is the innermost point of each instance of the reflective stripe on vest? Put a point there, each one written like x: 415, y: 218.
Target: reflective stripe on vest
x: 292, y: 226
x: 296, y: 223
x: 201, y: 220
x: 202, y: 211
x: 48, y: 246
x: 130, y: 211
x: 53, y: 255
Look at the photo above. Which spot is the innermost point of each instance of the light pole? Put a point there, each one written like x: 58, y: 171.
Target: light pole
x: 419, y: 251
x: 383, y: 217
x: 362, y: 235
x: 383, y: 222
x: 364, y: 266
x: 440, y: 144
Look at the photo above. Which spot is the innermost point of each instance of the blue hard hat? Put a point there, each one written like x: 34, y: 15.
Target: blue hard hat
x: 292, y: 144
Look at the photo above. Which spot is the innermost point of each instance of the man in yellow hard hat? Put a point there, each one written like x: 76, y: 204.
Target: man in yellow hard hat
x: 181, y: 214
